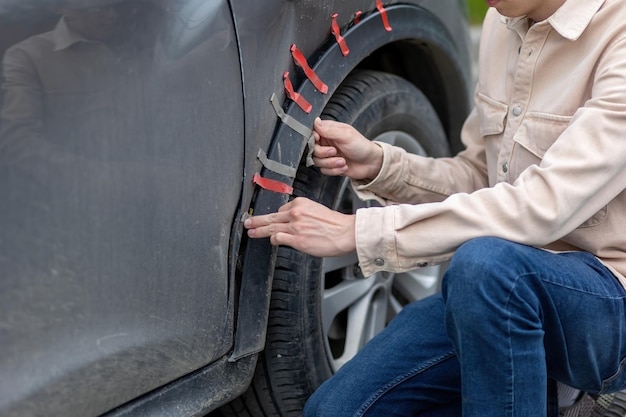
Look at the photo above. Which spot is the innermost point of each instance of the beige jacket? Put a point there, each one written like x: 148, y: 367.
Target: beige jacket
x: 545, y: 158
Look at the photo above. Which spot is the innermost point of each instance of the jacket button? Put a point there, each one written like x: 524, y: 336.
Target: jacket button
x: 505, y: 167
x: 422, y: 264
x: 379, y: 262
x: 517, y: 110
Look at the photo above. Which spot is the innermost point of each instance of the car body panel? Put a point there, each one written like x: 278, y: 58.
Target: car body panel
x: 307, y: 24
x: 127, y: 284
x: 414, y: 23
x: 120, y: 175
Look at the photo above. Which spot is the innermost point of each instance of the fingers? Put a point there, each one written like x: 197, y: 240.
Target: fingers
x: 307, y: 226
x: 268, y: 224
x: 321, y: 151
x: 330, y: 129
x: 332, y: 167
x: 282, y: 239
x: 326, y: 157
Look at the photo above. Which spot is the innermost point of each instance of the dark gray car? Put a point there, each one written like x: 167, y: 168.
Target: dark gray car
x: 135, y: 135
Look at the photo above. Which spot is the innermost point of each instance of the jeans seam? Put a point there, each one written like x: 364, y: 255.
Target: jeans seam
x: 511, y: 388
x: 605, y: 383
x: 397, y: 381
x: 545, y: 280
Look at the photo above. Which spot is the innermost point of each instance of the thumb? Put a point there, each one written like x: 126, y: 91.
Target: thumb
x: 319, y: 126
x: 330, y: 129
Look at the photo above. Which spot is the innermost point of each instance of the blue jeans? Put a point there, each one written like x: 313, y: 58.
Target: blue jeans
x: 509, y: 319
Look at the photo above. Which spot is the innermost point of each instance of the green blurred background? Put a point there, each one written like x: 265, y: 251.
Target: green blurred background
x: 477, y: 10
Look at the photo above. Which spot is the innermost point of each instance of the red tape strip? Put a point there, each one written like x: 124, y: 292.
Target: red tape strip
x: 300, y: 61
x: 383, y: 15
x: 334, y: 28
x: 272, y: 185
x: 296, y: 97
x: 357, y: 17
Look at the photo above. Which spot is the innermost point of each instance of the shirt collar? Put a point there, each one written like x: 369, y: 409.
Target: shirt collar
x: 64, y: 37
x: 570, y: 20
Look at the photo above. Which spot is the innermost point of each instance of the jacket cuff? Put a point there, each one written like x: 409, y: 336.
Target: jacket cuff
x: 375, y: 239
x: 389, y: 177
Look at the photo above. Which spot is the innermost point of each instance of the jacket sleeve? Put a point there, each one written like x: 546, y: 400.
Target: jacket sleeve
x: 581, y: 172
x: 412, y: 179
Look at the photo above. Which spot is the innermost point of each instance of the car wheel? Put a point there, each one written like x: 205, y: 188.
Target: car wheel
x: 323, y: 310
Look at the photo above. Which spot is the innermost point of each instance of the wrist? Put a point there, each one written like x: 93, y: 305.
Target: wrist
x: 347, y: 243
x: 376, y: 162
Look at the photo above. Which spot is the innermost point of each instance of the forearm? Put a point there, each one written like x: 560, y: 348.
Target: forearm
x: 408, y: 178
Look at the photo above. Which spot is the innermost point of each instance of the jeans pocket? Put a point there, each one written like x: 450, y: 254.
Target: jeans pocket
x: 615, y: 382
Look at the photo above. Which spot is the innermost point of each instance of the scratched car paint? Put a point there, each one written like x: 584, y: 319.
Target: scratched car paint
x: 134, y: 137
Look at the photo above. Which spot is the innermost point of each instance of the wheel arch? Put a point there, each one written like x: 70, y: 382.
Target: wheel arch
x: 419, y: 49
x: 435, y: 72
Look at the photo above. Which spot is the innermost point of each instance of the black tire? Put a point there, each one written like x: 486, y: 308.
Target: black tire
x: 298, y: 357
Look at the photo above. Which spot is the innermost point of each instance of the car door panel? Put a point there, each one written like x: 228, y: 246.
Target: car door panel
x: 120, y: 173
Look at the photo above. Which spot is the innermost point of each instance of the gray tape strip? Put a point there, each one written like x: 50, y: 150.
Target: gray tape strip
x: 309, y: 155
x: 288, y: 120
x: 276, y: 167
x: 245, y: 216
x: 297, y: 126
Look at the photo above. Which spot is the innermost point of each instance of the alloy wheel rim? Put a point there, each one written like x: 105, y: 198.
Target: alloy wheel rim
x: 354, y: 308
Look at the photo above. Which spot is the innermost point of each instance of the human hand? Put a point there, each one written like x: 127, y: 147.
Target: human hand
x: 307, y: 226
x: 341, y: 150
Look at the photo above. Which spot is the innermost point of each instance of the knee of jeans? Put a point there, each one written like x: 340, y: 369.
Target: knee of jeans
x: 310, y: 408
x: 478, y: 268
x: 318, y: 404
x: 337, y: 396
